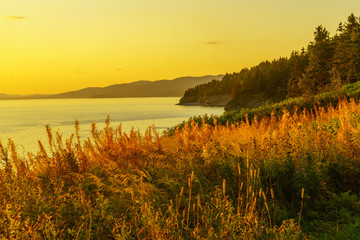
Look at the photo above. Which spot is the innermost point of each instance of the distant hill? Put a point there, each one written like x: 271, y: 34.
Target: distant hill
x: 4, y: 96
x: 8, y: 96
x: 160, y: 88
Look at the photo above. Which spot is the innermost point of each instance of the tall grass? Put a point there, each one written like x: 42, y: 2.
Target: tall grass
x: 281, y: 177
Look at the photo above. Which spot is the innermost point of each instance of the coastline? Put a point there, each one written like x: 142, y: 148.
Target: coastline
x: 208, y: 101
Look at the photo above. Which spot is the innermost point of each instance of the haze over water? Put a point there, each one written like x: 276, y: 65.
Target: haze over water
x: 24, y: 120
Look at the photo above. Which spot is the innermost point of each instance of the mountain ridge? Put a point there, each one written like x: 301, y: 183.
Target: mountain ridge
x: 142, y: 88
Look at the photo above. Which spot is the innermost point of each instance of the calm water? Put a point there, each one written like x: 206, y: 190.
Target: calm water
x: 24, y: 120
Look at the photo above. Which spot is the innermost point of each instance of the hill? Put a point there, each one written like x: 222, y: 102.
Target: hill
x: 8, y: 96
x: 4, y: 96
x: 160, y: 88
x: 326, y: 64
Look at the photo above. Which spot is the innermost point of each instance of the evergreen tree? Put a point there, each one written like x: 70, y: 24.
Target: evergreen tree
x: 321, y: 52
x: 298, y: 64
x: 347, y: 50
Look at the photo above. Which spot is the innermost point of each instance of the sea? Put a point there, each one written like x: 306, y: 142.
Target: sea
x: 24, y: 121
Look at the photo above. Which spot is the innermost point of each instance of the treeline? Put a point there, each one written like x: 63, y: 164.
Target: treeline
x: 325, y: 65
x: 209, y: 88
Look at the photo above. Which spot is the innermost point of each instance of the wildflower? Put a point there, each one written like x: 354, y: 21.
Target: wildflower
x: 302, y: 169
x: 297, y: 171
x: 305, y: 174
x: 262, y: 227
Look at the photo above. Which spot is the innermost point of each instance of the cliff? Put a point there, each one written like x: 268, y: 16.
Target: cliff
x: 218, y: 100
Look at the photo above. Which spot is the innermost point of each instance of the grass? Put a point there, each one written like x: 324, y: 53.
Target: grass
x: 293, y: 176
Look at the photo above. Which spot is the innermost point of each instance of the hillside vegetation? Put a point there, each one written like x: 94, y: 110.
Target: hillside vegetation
x: 288, y: 177
x: 325, y: 65
x: 292, y: 105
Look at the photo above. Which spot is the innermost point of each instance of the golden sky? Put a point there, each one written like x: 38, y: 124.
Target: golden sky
x: 53, y: 46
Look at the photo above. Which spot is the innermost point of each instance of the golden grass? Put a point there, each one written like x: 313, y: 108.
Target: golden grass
x: 202, y: 182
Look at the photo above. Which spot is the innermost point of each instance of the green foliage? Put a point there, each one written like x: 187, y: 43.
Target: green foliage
x: 325, y: 65
x: 292, y: 105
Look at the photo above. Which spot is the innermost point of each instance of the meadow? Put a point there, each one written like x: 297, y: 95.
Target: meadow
x: 293, y: 175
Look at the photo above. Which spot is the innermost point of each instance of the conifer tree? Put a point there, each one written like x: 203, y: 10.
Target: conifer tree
x: 347, y: 50
x: 321, y: 52
x: 298, y: 64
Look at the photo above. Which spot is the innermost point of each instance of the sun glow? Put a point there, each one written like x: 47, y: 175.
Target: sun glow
x: 57, y: 46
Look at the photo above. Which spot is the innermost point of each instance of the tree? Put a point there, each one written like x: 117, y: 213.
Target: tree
x: 321, y: 52
x: 298, y: 64
x: 347, y: 50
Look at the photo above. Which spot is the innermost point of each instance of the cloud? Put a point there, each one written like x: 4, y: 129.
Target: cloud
x: 15, y: 17
x: 213, y: 43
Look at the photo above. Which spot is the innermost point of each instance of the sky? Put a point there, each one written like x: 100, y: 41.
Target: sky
x: 54, y: 46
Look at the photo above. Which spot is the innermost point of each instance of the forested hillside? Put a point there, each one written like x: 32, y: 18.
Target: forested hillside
x: 327, y: 63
